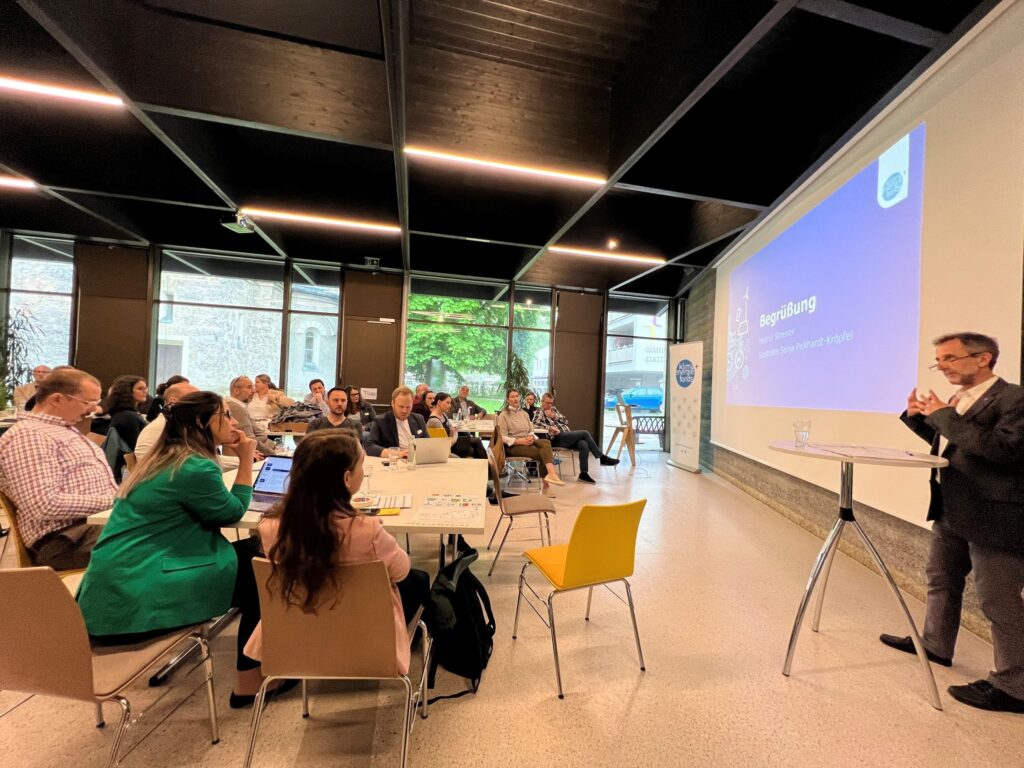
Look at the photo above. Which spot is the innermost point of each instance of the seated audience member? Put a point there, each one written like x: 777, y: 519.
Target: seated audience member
x: 462, y: 403
x: 267, y: 401
x: 356, y: 407
x: 315, y: 529
x: 149, y: 435
x: 25, y: 392
x: 55, y: 476
x: 425, y: 404
x: 463, y: 446
x: 337, y: 416
x: 126, y: 395
x: 157, y: 405
x: 317, y: 395
x: 517, y: 435
x: 241, y: 389
x: 530, y: 405
x: 161, y: 561
x: 561, y: 436
x: 395, y: 430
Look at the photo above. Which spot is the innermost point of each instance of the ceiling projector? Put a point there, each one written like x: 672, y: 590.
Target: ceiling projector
x: 243, y: 225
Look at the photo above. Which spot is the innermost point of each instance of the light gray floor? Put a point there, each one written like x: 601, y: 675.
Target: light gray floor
x: 717, y: 582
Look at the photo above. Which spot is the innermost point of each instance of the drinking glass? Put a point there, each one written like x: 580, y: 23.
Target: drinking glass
x: 367, y: 474
x: 801, y: 432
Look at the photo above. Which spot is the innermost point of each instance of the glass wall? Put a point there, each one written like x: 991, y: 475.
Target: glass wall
x: 313, y: 327
x: 460, y: 333
x: 39, y: 301
x: 636, y: 356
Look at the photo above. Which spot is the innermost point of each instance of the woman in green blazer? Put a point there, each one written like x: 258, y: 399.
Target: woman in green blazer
x: 161, y: 561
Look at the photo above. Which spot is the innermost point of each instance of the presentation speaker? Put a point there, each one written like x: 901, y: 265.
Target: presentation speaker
x: 977, y: 503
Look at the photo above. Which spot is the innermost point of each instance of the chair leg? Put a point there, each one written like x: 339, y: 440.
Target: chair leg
x: 408, y: 547
x: 590, y: 596
x: 502, y: 544
x: 547, y: 523
x: 554, y: 643
x: 257, y: 715
x: 100, y: 722
x: 211, y: 699
x: 519, y: 599
x: 122, y: 727
x: 636, y: 632
x: 407, y: 720
x: 305, y: 698
x: 497, y: 525
x: 427, y: 647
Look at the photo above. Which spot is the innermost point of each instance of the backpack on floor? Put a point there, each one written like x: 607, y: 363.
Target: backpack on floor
x: 461, y: 623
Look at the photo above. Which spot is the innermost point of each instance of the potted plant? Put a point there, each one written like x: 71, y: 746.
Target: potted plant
x: 17, y: 350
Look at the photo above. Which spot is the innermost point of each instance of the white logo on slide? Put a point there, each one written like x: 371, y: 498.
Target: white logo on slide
x: 893, y: 173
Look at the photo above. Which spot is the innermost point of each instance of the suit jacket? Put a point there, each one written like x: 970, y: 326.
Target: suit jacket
x: 981, y: 493
x: 23, y: 394
x: 161, y: 561
x: 384, y: 432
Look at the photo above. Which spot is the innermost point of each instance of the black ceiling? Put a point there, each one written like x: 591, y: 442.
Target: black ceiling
x: 702, y: 116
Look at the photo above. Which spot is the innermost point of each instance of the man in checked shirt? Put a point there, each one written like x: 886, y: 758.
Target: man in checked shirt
x: 55, y: 476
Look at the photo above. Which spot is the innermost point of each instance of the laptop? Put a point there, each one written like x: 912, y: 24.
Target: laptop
x: 271, y: 483
x: 432, y: 450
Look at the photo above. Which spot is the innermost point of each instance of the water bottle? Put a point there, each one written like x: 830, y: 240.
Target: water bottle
x: 412, y: 456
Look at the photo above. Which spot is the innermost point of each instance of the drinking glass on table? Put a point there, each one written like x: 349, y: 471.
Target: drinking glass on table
x: 385, y: 459
x: 367, y: 473
x: 801, y: 432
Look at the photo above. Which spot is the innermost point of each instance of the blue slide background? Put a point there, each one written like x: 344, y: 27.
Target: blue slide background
x: 858, y: 350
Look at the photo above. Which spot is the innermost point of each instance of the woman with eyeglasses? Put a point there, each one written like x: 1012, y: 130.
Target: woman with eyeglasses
x: 161, y: 562
x: 356, y: 407
x: 316, y: 529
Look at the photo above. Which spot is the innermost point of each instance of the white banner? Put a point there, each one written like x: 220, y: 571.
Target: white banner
x: 686, y: 362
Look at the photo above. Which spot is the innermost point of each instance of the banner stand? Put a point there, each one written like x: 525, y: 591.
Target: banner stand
x: 685, y: 364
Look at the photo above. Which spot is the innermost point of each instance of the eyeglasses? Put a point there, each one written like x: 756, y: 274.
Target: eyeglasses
x: 950, y: 359
x: 92, y: 403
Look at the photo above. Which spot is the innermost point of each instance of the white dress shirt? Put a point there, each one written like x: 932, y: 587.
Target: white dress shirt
x: 404, y: 434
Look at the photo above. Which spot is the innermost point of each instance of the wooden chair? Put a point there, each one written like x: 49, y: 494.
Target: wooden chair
x: 130, y: 461
x: 624, y: 430
x: 601, y: 550
x: 517, y: 466
x: 515, y: 508
x: 46, y: 650
x: 98, y: 439
x: 351, y: 636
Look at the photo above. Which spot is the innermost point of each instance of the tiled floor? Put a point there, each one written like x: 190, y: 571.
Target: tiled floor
x: 717, y: 582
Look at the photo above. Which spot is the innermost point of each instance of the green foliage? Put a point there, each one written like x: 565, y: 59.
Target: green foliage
x: 516, y: 375
x: 17, y: 349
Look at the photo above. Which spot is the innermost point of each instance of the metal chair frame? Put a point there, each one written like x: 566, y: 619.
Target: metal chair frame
x: 543, y: 521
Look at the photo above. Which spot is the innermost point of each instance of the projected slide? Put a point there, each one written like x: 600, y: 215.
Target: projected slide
x: 827, y: 315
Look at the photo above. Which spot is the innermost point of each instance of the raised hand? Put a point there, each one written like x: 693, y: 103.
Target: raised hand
x: 915, y: 407
x: 933, y: 403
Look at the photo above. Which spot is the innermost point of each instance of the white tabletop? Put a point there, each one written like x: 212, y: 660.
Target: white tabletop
x: 464, y: 476
x: 861, y: 454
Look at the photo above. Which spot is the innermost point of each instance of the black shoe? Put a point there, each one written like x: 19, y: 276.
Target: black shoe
x: 983, y: 695
x: 906, y: 644
x: 585, y: 478
x: 608, y: 461
x: 241, y: 702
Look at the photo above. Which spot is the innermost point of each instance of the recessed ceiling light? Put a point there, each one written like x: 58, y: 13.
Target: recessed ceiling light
x: 494, y: 165
x: 16, y: 182
x: 60, y: 92
x: 612, y: 243
x: 639, y: 257
x: 329, y: 221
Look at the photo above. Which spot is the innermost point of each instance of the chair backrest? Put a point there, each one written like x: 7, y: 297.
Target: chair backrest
x: 498, y: 449
x: 291, y: 426
x: 96, y: 438
x: 492, y: 466
x: 603, y: 543
x: 24, y: 560
x: 42, y: 633
x: 352, y: 633
x: 437, y: 432
x: 487, y: 417
x: 130, y: 461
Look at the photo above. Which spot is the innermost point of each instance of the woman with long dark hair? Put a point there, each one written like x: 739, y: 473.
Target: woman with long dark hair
x: 157, y: 406
x: 463, y: 445
x: 356, y: 407
x: 122, y: 403
x: 161, y: 562
x: 316, y: 528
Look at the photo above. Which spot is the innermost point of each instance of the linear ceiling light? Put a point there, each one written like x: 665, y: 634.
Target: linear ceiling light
x: 330, y: 221
x: 527, y: 170
x: 42, y: 89
x: 616, y: 255
x: 16, y: 182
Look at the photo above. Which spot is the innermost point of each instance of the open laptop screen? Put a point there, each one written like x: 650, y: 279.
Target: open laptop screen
x: 273, y: 476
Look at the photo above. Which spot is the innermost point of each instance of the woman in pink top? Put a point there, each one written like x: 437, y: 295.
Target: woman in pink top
x: 316, y: 528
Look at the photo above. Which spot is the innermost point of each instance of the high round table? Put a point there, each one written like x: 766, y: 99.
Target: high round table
x: 847, y: 456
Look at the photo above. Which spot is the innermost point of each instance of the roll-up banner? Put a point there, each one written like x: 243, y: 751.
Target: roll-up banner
x: 685, y: 366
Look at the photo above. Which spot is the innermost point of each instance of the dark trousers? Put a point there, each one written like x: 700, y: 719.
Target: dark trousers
x: 245, y: 598
x: 582, y: 442
x: 999, y: 577
x: 414, y: 590
x: 469, y: 446
x: 68, y: 549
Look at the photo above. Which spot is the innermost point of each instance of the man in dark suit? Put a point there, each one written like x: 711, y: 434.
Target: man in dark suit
x: 397, y: 428
x: 977, y: 503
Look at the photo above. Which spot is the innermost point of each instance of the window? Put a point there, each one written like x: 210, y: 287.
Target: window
x: 39, y: 302
x: 313, y: 327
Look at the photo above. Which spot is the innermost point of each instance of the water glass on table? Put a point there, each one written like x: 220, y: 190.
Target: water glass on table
x: 801, y: 432
x: 367, y: 474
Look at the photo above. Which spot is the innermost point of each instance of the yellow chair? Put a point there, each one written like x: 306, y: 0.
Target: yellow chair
x: 351, y: 636
x: 601, y: 550
x: 437, y: 432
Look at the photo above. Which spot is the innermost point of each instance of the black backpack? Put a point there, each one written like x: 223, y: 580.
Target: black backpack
x: 461, y: 623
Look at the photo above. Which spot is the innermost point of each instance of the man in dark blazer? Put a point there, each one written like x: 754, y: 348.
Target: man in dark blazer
x: 977, y: 503
x: 397, y: 428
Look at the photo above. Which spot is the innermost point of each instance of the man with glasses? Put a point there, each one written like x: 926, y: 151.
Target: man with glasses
x: 54, y: 475
x: 977, y: 503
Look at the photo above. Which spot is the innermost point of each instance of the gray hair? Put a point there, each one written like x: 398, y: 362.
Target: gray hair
x: 975, y: 343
